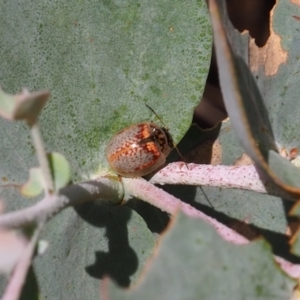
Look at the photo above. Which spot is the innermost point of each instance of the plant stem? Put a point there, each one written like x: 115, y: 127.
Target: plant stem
x: 14, y: 288
x: 144, y: 190
x: 42, y: 158
x: 234, y: 177
x: 104, y: 189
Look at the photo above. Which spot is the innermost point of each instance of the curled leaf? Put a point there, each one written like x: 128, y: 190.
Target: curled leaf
x: 60, y: 171
x: 24, y: 106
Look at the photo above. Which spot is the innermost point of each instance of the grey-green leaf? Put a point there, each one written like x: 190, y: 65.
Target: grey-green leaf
x: 89, y: 243
x: 101, y: 61
x: 247, y: 110
x: 194, y: 262
x: 35, y: 184
x: 60, y: 170
x: 23, y: 106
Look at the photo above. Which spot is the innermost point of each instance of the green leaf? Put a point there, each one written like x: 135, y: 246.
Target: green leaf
x: 86, y: 245
x: 204, y: 266
x: 7, y: 104
x: 29, y: 106
x: 278, y: 74
x: 264, y: 211
x: 60, y: 169
x: 24, y: 106
x: 102, y: 61
x: 34, y: 186
x: 248, y: 111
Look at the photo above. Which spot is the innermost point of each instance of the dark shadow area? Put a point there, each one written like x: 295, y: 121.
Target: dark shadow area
x: 253, y: 16
x: 279, y: 242
x: 155, y: 219
x: 192, y: 139
x: 120, y: 262
x: 288, y: 205
x: 30, y: 289
x: 211, y: 109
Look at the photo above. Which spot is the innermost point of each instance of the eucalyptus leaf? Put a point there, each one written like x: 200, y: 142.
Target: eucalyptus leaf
x: 23, y: 106
x: 60, y: 169
x: 204, y: 266
x: 89, y: 243
x: 35, y: 185
x: 295, y: 240
x: 101, y: 61
x: 248, y: 111
x: 7, y: 104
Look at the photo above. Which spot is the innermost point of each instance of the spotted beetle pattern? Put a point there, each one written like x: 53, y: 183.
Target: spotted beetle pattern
x: 139, y: 149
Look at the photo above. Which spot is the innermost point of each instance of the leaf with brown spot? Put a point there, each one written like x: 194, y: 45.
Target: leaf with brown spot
x: 296, y: 2
x: 249, y: 109
x: 270, y: 56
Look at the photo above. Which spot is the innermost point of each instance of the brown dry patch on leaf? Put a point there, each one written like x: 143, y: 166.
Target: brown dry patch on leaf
x: 216, y: 158
x: 209, y: 152
x: 271, y: 55
x: 296, y: 2
x: 243, y: 160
